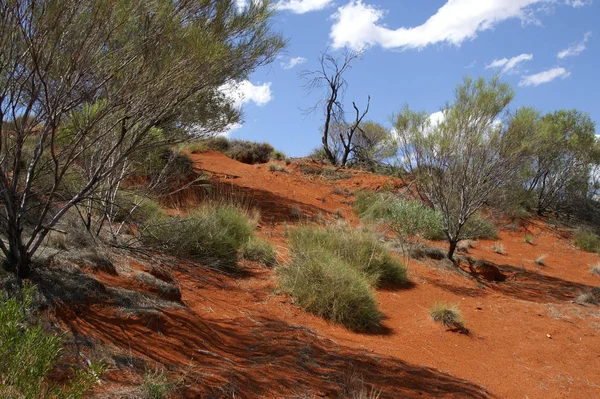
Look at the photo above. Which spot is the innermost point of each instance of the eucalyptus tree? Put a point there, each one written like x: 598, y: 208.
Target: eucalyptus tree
x: 459, y: 163
x: 86, y: 85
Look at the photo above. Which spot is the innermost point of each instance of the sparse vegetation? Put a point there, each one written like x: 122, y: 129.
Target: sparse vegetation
x: 595, y: 269
x: 591, y: 297
x: 587, y: 241
x: 447, y: 314
x: 213, y: 234
x: 540, y: 260
x: 260, y: 251
x: 332, y: 271
x: 277, y: 168
x: 156, y: 385
x: 29, y: 353
x: 528, y: 238
x: 498, y: 248
x: 250, y: 152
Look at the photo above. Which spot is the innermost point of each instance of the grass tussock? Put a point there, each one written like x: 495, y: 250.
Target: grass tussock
x: 595, y: 269
x: 277, y: 168
x: 333, y: 270
x: 447, y: 314
x: 259, y: 251
x: 410, y: 218
x: 156, y: 385
x: 540, y: 260
x: 498, y: 248
x: 213, y: 234
x: 587, y: 241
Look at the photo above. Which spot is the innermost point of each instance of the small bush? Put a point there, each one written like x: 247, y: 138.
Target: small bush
x: 528, y: 238
x: 260, y: 251
x: 132, y: 208
x: 278, y: 156
x: 329, y: 287
x: 318, y: 154
x: 541, y: 260
x: 156, y: 385
x: 213, y: 234
x: 591, y: 297
x: 447, y: 314
x: 250, y: 152
x: 277, y: 168
x: 28, y: 354
x: 479, y: 227
x: 587, y: 241
x: 595, y: 269
x: 498, y: 248
x: 360, y: 248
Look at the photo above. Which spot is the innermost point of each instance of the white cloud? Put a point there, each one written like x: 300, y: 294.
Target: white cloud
x: 575, y: 48
x: 303, y: 6
x: 293, y: 62
x: 578, y: 3
x: 245, y: 92
x: 436, y: 118
x: 509, y: 64
x: 544, y: 77
x: 456, y: 21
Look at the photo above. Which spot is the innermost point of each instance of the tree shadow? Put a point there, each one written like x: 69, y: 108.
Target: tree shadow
x: 260, y: 357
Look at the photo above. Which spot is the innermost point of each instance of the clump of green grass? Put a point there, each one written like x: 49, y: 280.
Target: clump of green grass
x: 540, y: 260
x: 528, y: 238
x: 276, y: 168
x: 156, y: 385
x: 214, y: 234
x: 359, y: 247
x: 278, y: 156
x: 260, y: 251
x: 498, y: 248
x: 447, y: 314
x: 411, y: 217
x: 587, y: 241
x: 333, y: 270
x: 329, y: 287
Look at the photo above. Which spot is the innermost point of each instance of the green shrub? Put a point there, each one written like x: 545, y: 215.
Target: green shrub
x: 587, y: 241
x: 411, y: 217
x: 318, y: 154
x: 250, y: 152
x: 329, y: 287
x: 260, y: 251
x: 277, y: 168
x: 214, y: 234
x: 156, y: 385
x: 130, y: 207
x: 479, y: 227
x: 278, y: 156
x: 447, y: 314
x: 359, y: 248
x: 28, y: 354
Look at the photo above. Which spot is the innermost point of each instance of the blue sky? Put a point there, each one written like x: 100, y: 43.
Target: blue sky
x: 416, y: 52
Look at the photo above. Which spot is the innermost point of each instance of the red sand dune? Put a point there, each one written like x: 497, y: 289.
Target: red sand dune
x: 236, y: 337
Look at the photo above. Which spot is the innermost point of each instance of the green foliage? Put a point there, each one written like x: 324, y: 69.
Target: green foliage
x: 278, y: 156
x: 479, y: 227
x: 28, y: 354
x: 132, y: 208
x: 371, y: 145
x: 156, y: 385
x: 447, y: 314
x: 329, y: 287
x: 360, y: 248
x: 250, y: 152
x: 319, y: 154
x: 587, y: 241
x: 260, y: 251
x: 213, y: 233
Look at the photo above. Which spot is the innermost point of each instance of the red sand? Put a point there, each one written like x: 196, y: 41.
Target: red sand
x: 238, y: 338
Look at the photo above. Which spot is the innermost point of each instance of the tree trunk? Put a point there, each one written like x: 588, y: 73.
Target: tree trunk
x: 18, y: 259
x: 452, y: 249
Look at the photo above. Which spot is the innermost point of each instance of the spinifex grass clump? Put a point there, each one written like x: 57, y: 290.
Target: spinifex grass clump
x: 333, y: 271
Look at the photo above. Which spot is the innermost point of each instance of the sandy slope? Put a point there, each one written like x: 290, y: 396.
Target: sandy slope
x: 235, y: 337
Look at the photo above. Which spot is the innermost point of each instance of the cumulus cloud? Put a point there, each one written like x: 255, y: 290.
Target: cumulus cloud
x: 303, y: 6
x: 293, y: 62
x: 575, y: 48
x: 356, y: 23
x: 544, y: 77
x: 509, y: 64
x: 244, y: 92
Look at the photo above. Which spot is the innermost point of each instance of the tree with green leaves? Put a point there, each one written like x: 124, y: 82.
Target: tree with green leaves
x: 459, y: 164
x: 87, y: 86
